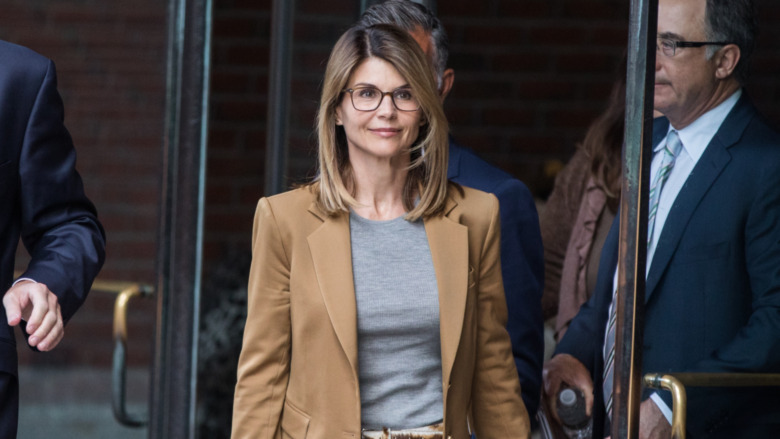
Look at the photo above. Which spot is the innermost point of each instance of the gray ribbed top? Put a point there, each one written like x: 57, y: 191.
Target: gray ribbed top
x: 399, y: 346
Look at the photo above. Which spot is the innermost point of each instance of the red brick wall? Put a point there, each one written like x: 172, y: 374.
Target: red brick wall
x: 530, y: 76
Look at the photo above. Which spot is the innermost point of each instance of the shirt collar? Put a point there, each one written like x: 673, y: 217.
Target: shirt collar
x: 696, y: 136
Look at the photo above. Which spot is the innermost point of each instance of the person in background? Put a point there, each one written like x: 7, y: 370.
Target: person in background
x: 522, y: 261
x: 42, y: 201
x: 580, y: 211
x: 375, y: 299
x: 712, y: 299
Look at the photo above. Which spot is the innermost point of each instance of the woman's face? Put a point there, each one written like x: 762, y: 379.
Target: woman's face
x: 383, y: 134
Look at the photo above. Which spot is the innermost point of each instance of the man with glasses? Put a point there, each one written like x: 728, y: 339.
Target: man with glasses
x: 713, y: 274
x: 522, y: 263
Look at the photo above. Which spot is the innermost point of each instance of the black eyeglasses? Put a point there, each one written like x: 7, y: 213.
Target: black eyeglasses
x: 669, y: 47
x: 370, y: 98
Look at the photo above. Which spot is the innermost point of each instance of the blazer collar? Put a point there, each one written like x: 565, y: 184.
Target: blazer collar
x: 448, y: 242
x: 331, y: 253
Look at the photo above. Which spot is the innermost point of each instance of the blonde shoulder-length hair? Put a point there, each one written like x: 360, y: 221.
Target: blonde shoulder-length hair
x: 427, y: 177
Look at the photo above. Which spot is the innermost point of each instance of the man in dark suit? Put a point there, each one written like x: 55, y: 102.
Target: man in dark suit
x: 522, y: 263
x: 713, y: 280
x: 42, y: 200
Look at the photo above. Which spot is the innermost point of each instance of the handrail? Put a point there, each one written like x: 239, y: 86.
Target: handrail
x: 676, y: 382
x: 723, y: 379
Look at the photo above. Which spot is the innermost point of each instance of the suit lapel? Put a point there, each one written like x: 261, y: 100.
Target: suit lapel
x: 331, y: 252
x: 711, y: 164
x: 448, y: 241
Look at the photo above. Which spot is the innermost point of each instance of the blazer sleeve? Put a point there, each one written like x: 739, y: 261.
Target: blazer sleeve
x: 264, y: 364
x: 496, y: 403
x: 522, y: 267
x: 60, y: 229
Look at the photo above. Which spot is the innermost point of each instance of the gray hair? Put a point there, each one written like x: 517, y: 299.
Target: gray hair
x: 733, y: 21
x: 411, y: 16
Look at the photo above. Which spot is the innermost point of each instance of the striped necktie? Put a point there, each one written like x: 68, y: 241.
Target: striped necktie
x: 670, y: 152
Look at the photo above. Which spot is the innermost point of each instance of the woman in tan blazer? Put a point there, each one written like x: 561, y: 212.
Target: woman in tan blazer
x: 344, y: 324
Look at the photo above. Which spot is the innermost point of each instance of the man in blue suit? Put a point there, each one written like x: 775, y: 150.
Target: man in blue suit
x: 522, y: 262
x: 42, y: 201
x: 713, y: 279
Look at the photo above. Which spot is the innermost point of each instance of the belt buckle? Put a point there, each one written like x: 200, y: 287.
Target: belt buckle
x: 384, y: 433
x: 412, y: 434
x: 388, y: 433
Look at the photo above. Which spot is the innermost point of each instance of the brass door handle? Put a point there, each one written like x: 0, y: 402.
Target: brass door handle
x: 679, y: 399
x: 119, y: 363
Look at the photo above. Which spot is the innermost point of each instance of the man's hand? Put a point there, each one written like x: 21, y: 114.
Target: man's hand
x: 39, y: 307
x: 563, y: 368
x: 652, y: 422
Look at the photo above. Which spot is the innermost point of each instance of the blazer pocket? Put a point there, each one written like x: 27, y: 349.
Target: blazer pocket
x: 295, y: 423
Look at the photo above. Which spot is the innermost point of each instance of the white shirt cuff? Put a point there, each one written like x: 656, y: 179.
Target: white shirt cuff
x: 663, y: 407
x: 23, y: 278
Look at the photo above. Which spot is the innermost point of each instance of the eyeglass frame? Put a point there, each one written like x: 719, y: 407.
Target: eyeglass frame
x: 382, y: 98
x: 683, y: 44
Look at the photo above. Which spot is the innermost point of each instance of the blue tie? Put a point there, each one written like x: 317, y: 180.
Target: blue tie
x: 670, y: 152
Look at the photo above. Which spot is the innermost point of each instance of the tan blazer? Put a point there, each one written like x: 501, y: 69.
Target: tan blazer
x: 297, y: 375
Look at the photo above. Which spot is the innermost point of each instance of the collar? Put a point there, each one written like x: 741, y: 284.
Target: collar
x: 696, y: 136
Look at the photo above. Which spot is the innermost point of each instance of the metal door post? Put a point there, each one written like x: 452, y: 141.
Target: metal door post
x: 278, y: 115
x: 633, y: 218
x: 172, y: 396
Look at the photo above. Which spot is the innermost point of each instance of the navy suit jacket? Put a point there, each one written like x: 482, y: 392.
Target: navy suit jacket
x: 41, y: 194
x: 522, y: 263
x: 713, y: 290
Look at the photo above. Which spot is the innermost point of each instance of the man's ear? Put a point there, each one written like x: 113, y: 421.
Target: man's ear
x: 447, y: 79
x: 727, y: 59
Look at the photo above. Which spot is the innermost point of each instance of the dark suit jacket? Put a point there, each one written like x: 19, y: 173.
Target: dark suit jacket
x: 713, y: 290
x: 41, y: 194
x: 522, y: 263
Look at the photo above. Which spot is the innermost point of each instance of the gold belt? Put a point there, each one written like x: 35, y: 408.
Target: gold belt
x: 434, y: 431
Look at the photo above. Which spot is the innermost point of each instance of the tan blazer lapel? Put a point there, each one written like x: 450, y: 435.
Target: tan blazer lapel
x: 331, y: 253
x: 448, y: 241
